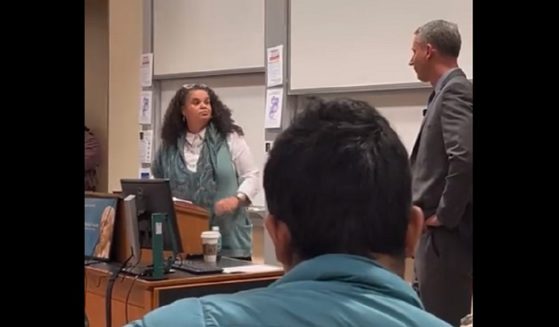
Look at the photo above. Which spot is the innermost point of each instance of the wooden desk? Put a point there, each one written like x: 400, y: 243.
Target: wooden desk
x: 133, y: 298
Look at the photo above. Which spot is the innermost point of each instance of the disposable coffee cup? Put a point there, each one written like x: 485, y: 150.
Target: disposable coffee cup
x: 209, y: 245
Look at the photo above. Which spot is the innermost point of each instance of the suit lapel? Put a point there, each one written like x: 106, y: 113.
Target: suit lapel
x: 454, y: 73
x: 418, y: 138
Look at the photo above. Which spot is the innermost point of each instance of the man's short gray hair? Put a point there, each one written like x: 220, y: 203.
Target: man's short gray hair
x: 443, y: 35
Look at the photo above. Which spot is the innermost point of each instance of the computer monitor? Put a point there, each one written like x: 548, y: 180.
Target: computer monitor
x: 132, y: 233
x: 153, y: 196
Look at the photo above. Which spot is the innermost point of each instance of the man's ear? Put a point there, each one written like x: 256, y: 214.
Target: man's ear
x: 429, y: 50
x: 413, y: 233
x: 281, y: 237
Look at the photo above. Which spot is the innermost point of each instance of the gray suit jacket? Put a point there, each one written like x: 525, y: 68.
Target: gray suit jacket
x: 441, y: 159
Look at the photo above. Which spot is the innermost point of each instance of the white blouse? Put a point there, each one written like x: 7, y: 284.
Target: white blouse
x: 243, y: 160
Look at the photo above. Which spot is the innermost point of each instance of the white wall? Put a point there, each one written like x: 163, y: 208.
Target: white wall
x: 209, y: 35
x: 366, y: 42
x: 403, y: 109
x: 113, y: 32
x: 96, y: 71
x: 125, y: 48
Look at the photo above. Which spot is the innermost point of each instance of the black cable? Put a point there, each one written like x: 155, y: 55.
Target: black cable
x: 133, y: 269
x: 108, y: 294
x: 130, y: 270
x: 128, y: 296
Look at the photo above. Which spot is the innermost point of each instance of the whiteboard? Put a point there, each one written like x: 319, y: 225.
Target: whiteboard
x: 357, y: 43
x: 245, y: 96
x: 193, y: 36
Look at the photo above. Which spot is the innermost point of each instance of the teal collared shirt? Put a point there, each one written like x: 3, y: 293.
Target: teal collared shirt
x: 329, y: 290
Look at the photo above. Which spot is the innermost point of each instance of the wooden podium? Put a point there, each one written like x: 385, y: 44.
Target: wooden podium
x: 192, y: 220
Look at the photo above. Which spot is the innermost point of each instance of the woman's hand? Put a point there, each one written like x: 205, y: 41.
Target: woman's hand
x: 226, y: 205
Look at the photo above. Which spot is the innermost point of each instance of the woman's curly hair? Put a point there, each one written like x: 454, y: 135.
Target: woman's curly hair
x: 174, y: 123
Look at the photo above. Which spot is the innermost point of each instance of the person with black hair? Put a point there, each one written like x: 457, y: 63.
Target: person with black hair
x: 338, y: 188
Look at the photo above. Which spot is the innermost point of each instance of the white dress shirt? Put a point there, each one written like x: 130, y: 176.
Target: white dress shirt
x: 243, y: 161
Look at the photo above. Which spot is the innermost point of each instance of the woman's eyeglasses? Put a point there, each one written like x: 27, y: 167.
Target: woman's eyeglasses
x: 194, y: 85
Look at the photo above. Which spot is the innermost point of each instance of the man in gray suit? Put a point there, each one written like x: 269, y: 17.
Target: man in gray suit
x: 441, y: 163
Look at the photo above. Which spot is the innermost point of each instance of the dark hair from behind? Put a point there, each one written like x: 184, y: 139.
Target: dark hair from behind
x: 339, y: 178
x: 174, y: 125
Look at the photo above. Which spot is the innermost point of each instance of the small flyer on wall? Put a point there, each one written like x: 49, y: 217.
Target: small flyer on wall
x: 274, y: 99
x: 146, y: 69
x: 145, y: 107
x: 274, y: 66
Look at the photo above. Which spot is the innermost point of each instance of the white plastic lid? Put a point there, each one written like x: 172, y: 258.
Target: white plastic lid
x: 215, y: 228
x: 210, y: 234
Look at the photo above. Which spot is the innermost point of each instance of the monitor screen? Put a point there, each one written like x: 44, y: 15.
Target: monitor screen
x: 99, y: 213
x: 153, y: 196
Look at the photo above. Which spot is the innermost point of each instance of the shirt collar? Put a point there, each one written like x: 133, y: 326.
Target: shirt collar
x: 192, y: 137
x: 441, y: 80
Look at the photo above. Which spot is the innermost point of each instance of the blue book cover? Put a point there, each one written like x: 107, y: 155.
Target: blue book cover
x: 99, y: 226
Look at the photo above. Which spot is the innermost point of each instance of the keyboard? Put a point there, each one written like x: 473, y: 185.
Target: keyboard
x: 138, y: 270
x: 197, y: 267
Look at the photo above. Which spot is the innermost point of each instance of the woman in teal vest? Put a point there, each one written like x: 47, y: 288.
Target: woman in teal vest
x: 207, y: 160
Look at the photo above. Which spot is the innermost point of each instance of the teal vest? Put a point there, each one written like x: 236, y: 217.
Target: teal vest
x: 215, y: 178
